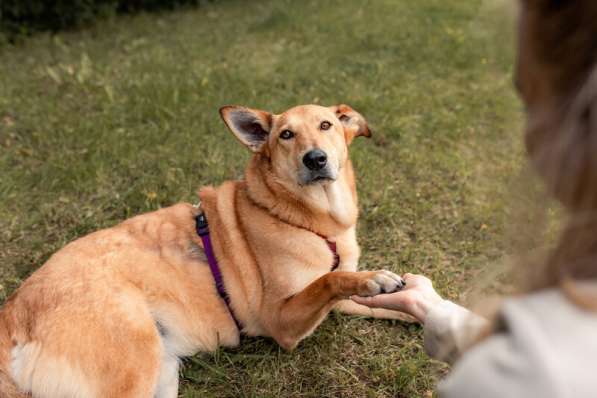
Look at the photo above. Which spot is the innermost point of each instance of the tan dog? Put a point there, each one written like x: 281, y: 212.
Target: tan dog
x: 110, y: 314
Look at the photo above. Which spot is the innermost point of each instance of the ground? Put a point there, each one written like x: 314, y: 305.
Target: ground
x: 122, y: 118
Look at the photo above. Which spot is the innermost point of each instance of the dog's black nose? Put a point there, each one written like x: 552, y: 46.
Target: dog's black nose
x: 315, y: 159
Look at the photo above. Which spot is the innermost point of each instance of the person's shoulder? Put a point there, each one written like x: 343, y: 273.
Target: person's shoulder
x: 545, y: 346
x: 547, y: 319
x: 497, y: 368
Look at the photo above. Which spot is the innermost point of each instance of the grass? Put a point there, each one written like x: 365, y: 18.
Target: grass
x: 121, y: 118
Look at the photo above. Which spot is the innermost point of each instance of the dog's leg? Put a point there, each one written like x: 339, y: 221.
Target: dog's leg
x: 168, y: 380
x: 300, y: 314
x: 110, y: 363
x: 352, y: 308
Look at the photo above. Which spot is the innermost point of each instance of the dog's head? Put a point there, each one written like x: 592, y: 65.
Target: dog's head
x: 307, y: 144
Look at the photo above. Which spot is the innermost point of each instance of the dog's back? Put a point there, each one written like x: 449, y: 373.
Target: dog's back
x: 99, y: 310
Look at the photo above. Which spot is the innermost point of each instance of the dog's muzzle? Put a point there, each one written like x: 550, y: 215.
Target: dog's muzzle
x: 316, y: 168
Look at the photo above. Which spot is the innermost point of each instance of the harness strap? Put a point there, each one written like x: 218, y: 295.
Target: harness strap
x: 203, y: 231
x: 332, y: 246
x: 202, y: 228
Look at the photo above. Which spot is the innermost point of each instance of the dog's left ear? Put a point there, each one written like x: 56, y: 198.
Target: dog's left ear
x: 353, y: 122
x: 250, y: 126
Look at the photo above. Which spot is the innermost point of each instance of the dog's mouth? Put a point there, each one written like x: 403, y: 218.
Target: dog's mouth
x: 320, y: 177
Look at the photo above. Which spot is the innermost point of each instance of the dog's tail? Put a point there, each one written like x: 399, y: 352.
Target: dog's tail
x: 8, y: 388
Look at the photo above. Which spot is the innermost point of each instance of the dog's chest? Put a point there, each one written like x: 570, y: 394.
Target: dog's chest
x: 296, y: 262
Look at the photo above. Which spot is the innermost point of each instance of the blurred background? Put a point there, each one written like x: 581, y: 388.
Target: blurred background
x: 110, y: 108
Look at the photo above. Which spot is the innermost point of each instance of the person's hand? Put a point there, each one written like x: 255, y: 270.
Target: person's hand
x: 416, y: 299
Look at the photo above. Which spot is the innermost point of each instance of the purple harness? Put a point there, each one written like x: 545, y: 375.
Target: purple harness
x: 203, y: 231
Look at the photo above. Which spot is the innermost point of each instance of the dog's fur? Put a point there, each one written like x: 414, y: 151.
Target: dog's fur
x: 110, y: 314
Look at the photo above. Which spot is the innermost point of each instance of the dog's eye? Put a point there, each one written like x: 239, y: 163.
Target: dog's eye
x: 286, y: 134
x: 325, y: 125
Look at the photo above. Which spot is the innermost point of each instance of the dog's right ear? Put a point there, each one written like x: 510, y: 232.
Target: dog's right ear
x: 353, y: 122
x: 250, y: 126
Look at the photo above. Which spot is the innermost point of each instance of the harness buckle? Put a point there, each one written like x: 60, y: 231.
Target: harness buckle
x: 201, y: 224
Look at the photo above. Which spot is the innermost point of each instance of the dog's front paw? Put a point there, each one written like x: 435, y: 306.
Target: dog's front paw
x: 378, y: 282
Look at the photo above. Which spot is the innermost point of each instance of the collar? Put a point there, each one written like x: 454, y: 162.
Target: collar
x: 333, y: 249
x: 331, y: 244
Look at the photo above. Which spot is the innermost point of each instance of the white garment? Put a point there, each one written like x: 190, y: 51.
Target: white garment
x: 545, y: 347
